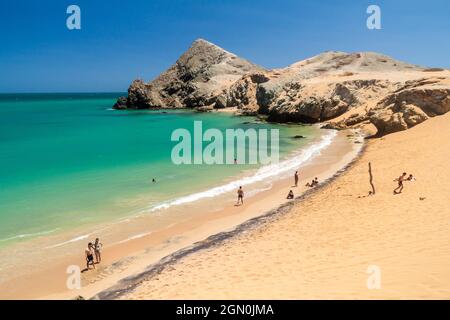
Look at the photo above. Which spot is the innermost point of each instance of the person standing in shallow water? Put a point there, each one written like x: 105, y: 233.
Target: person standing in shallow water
x: 240, y: 193
x: 296, y: 178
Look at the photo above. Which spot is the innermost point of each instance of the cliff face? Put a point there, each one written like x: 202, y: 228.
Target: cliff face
x: 343, y: 90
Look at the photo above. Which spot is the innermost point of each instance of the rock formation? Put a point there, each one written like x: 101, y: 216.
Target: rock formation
x: 356, y: 90
x: 198, y: 79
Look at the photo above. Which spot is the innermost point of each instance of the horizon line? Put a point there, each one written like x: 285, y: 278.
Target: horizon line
x: 63, y: 92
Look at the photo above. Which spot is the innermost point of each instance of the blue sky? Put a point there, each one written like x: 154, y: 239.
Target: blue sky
x: 122, y: 40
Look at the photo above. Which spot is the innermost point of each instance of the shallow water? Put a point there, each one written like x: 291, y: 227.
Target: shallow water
x: 68, y: 161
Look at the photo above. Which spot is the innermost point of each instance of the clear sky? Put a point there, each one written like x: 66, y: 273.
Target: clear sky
x: 122, y: 40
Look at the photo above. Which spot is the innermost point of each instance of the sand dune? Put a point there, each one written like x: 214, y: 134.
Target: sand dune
x: 323, y: 247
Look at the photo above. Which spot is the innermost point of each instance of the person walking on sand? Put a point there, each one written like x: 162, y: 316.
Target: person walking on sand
x: 97, y: 250
x: 400, y: 180
x: 89, y: 252
x: 296, y: 178
x: 240, y: 193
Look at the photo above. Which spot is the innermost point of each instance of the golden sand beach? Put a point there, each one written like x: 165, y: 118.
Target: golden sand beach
x: 324, y: 247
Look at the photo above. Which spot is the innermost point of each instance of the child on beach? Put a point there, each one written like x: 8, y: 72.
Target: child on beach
x: 97, y: 249
x: 240, y: 193
x: 296, y: 178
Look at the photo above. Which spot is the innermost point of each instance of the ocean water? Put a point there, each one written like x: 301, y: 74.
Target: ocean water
x: 68, y: 160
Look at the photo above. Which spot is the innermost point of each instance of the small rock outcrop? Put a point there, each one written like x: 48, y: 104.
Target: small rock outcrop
x: 409, y: 107
x: 121, y: 103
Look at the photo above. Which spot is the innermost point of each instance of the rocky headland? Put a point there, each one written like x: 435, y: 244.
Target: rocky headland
x: 342, y: 90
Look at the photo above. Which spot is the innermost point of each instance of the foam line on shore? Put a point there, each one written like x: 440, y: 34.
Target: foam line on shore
x: 137, y: 236
x: 27, y: 235
x: 79, y: 238
x: 264, y: 173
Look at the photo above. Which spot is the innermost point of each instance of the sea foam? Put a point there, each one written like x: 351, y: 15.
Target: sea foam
x: 79, y: 238
x: 264, y: 173
x: 28, y: 235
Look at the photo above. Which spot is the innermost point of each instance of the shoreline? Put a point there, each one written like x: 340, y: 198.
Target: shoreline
x: 128, y: 284
x: 131, y: 257
x: 80, y: 231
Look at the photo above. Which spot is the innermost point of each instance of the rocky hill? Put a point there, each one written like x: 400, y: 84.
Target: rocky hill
x: 344, y: 90
x: 196, y: 80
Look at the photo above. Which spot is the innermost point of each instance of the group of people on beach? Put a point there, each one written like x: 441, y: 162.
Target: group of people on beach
x: 315, y: 182
x: 93, y: 249
x: 312, y: 184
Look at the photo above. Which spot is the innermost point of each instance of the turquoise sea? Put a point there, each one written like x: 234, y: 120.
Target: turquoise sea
x: 68, y: 160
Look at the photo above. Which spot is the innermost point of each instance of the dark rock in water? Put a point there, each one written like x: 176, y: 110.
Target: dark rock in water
x: 298, y: 137
x: 334, y: 126
x: 204, y: 109
x: 121, y: 103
